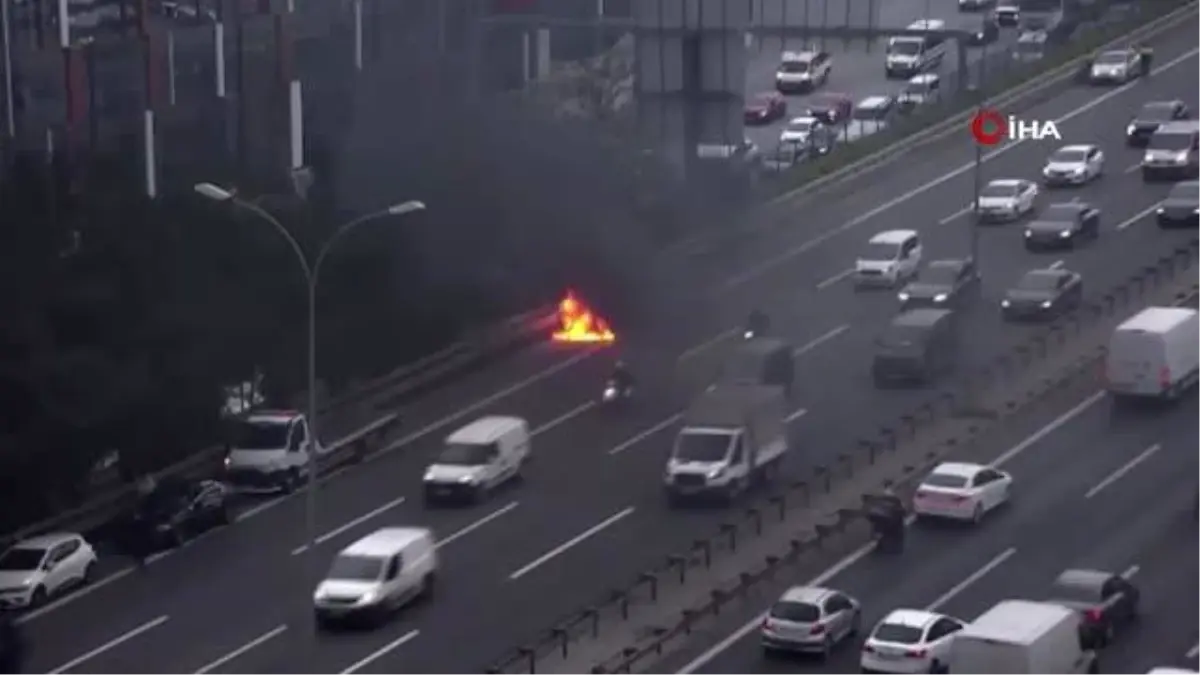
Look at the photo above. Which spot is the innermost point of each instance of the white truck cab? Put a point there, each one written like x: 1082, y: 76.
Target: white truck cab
x: 731, y: 437
x: 269, y: 451
x: 478, y: 458
x: 377, y: 575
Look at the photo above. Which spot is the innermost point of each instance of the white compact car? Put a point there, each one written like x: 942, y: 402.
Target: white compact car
x: 36, y: 569
x: 961, y: 491
x: 910, y: 641
x: 799, y: 130
x: 1007, y: 199
x: 890, y: 258
x: 1073, y: 165
x: 810, y: 619
x: 1118, y: 65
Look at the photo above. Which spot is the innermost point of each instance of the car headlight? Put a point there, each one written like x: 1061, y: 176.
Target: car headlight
x: 1028, y: 234
x: 1160, y: 210
x: 369, y: 597
x: 1181, y: 156
x: 228, y: 462
x: 1130, y: 130
x: 1005, y: 303
x: 940, y: 297
x: 716, y: 473
x: 466, y: 479
x: 903, y: 297
x: 1064, y: 234
x: 1078, y: 171
x: 1046, y: 304
x: 1196, y: 211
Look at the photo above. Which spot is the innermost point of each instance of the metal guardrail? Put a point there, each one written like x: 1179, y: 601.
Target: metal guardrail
x: 401, y: 384
x: 958, y: 402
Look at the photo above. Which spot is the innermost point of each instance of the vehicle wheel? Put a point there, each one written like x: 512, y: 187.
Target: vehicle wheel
x: 977, y: 514
x: 39, y: 597
x: 1094, y: 668
x: 177, y: 537
x: 937, y: 667
x: 855, y: 625
x: 223, y: 516
x: 427, y: 586
x: 89, y: 571
x: 290, y: 480
x: 827, y: 648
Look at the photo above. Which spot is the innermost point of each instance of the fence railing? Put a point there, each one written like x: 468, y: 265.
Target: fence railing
x: 965, y: 399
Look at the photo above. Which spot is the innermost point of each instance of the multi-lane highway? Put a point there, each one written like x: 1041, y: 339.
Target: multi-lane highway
x: 589, y: 516
x: 1096, y: 491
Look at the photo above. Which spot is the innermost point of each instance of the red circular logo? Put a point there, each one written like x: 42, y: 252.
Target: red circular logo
x: 989, y: 127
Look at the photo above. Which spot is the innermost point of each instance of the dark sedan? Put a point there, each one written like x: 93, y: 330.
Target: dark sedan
x: 765, y: 108
x: 943, y: 283
x: 1063, y: 225
x: 986, y: 33
x: 176, y: 510
x: 1041, y: 294
x: 1153, y: 115
x: 1181, y: 208
x: 832, y: 109
x: 1107, y: 602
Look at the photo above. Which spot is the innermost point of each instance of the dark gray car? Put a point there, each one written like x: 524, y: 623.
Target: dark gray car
x: 1041, y: 294
x: 943, y: 283
x: 1181, y: 208
x: 1063, y: 226
x: 1153, y: 115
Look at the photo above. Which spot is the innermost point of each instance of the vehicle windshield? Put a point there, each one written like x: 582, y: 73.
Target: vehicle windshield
x: 794, y: 67
x: 945, y: 480
x: 800, y: 612
x: 801, y: 125
x: 355, y: 568
x: 1111, y: 59
x: 869, y: 113
x: 465, y: 454
x: 702, y: 447
x: 1173, y: 142
x: 1038, y: 281
x: 260, y: 435
x: 896, y: 337
x: 1069, y: 156
x: 904, y: 47
x: 761, y: 101
x: 999, y: 190
x: 1059, y: 213
x: 897, y: 632
x: 877, y: 250
x: 1030, y: 47
x: 939, y: 275
x: 919, y: 88
x: 21, y: 559
x: 1188, y: 191
x: 1076, y: 591
x: 1156, y: 112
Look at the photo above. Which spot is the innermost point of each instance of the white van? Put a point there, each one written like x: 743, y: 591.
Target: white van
x: 377, y: 575
x: 1154, y: 353
x: 1020, y: 636
x: 478, y: 458
x: 890, y: 258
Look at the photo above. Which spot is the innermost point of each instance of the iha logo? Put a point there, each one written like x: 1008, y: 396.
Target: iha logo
x: 989, y: 127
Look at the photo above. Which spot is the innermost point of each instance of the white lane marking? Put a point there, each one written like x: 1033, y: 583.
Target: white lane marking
x: 957, y: 214
x: 971, y: 579
x: 242, y: 650
x: 1141, y: 214
x: 564, y: 418
x: 468, y: 529
x: 1193, y: 652
x: 711, y: 342
x: 773, y: 262
x: 373, y: 513
x: 1133, y: 167
x: 820, y: 340
x: 366, y: 660
x: 1131, y: 572
x: 1121, y: 471
x: 834, y: 279
x: 643, y: 435
x: 861, y: 552
x: 795, y: 416
x: 115, y: 642
x: 1057, y: 264
x: 85, y: 590
x: 573, y: 541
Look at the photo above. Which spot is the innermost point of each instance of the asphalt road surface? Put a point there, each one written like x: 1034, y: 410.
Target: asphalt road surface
x: 857, y: 70
x: 590, y: 515
x: 1098, y: 491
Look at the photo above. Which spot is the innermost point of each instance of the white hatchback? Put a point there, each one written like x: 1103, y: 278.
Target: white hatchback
x: 910, y: 641
x: 961, y: 491
x: 36, y: 569
x: 890, y: 258
x: 810, y: 619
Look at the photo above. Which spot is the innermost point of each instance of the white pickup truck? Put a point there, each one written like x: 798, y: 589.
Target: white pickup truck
x: 269, y: 451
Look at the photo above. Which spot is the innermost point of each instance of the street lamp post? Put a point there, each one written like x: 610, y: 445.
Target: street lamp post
x: 312, y: 277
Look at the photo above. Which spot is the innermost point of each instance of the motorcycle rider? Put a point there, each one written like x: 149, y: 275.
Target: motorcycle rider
x: 621, y: 378
x: 886, y: 512
x: 757, y: 323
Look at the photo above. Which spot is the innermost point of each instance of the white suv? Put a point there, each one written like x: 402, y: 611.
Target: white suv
x: 891, y: 257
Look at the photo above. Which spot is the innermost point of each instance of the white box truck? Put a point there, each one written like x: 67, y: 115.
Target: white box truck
x: 731, y: 436
x: 1155, y: 353
x: 1021, y: 636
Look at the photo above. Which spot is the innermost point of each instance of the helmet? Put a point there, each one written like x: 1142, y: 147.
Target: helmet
x: 619, y: 365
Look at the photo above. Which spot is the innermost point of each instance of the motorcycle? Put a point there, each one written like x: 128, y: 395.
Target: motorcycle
x: 614, y: 393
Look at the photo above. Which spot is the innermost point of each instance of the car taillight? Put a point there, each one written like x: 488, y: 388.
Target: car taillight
x: 868, y: 649
x: 916, y: 653
x: 817, y: 629
x: 1093, y: 615
x: 1164, y: 377
x: 766, y: 623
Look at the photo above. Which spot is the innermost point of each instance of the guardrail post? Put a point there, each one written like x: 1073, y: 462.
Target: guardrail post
x: 1152, y: 273
x: 680, y: 562
x: 689, y: 616
x: 804, y: 489
x: 705, y: 547
x: 847, y: 462
x: 650, y: 579
x: 756, y: 517
x: 868, y: 449
x: 780, y: 502
x: 718, y: 598
x: 621, y: 598
x: 909, y: 422
x: 531, y: 656
x: 1166, y: 264
x: 772, y: 562
x: 593, y: 615
x: 889, y: 438
x: 822, y: 474
x: 745, y: 580
x: 564, y: 641
x: 730, y: 530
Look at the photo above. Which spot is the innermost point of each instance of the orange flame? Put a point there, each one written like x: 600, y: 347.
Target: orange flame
x: 579, y: 324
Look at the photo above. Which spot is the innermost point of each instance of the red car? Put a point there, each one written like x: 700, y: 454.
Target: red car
x: 832, y: 109
x: 765, y: 108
